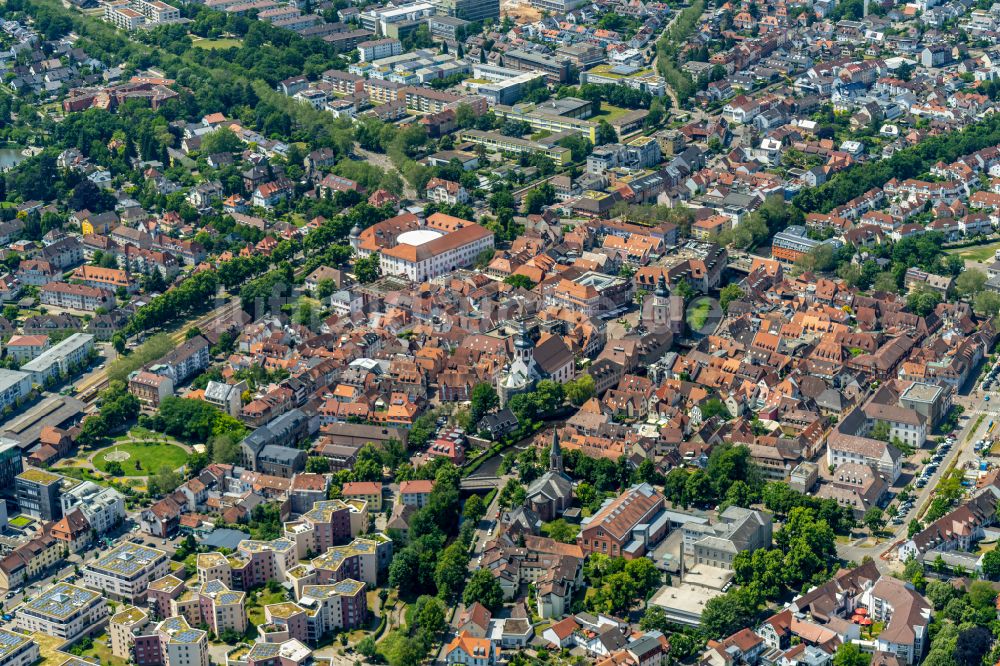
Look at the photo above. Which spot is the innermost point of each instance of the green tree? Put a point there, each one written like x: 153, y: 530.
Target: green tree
x: 449, y: 575
x: 484, y: 588
x: 427, y: 615
x: 522, y: 281
x: 849, y: 654
x: 538, y: 198
x: 400, y: 649
x: 655, y: 619
x: 886, y: 282
x: 923, y: 301
x: 874, y: 519
x: 880, y: 431
x: 513, y: 494
x: 367, y: 269
x: 317, y: 465
x: 560, y: 530
x: 484, y: 399
x: 726, y: 614
x: 225, y: 449
x: 474, y: 509
x: 404, y: 572
x: 970, y: 282
x: 222, y: 140
x: 324, y: 288
x: 366, y: 646
x: 165, y: 481
x: 991, y: 565
x: 580, y: 390
x: 728, y: 294
x: 605, y: 133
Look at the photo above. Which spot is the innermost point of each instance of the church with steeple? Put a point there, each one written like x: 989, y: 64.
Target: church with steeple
x: 552, y: 493
x: 522, y: 374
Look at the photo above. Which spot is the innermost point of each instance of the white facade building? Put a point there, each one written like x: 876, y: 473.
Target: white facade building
x: 104, y: 508
x: 64, y: 611
x: 125, y: 572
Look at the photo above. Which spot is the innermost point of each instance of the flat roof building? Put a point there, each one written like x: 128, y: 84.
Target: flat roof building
x: 126, y: 571
x: 38, y: 493
x: 66, y: 358
x: 17, y: 649
x: 64, y: 611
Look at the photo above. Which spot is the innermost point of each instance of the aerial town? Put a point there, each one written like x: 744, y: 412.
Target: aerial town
x: 499, y: 332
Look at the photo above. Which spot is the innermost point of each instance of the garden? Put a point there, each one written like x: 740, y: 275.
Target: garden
x: 139, y: 458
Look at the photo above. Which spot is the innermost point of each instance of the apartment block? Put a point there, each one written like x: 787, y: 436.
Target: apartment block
x: 76, y: 296
x: 63, y: 359
x: 17, y: 649
x: 64, y: 611
x: 125, y: 572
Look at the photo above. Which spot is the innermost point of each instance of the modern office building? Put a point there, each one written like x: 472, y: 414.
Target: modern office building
x: 446, y: 27
x: 38, y: 493
x: 375, y: 49
x: 123, y: 627
x: 10, y: 462
x: 125, y: 572
x: 469, y: 10
x: 555, y: 67
x: 64, y: 611
x: 554, y: 118
x: 320, y: 610
x: 495, y: 142
x: 335, y: 522
x: 215, y: 605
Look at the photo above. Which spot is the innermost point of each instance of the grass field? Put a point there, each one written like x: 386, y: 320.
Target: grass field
x: 221, y: 43
x: 255, y: 609
x: 609, y: 112
x: 103, y: 652
x: 21, y: 522
x: 982, y: 253
x: 699, y: 315
x: 150, y: 456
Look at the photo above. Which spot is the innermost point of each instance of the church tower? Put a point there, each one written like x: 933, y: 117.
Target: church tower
x: 555, y: 454
x: 661, y: 306
x: 523, y: 347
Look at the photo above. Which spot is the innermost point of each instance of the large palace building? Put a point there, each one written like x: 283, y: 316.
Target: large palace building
x: 422, y: 249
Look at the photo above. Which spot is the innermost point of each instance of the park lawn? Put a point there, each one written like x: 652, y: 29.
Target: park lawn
x: 220, y: 43
x: 981, y: 253
x: 151, y: 456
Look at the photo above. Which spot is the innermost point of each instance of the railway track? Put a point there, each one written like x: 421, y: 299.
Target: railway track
x: 97, y: 383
